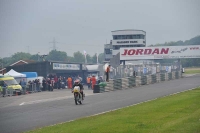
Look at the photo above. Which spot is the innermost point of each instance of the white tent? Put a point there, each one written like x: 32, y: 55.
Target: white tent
x: 15, y: 74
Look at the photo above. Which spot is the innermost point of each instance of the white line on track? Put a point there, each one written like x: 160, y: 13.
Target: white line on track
x: 47, y: 100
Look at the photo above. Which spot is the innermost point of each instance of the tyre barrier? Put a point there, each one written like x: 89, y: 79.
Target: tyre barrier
x: 102, y: 89
x: 169, y: 76
x: 148, y: 79
x: 117, y: 84
x: 176, y: 75
x: 125, y: 83
x: 173, y: 75
x: 130, y: 82
x: 153, y: 79
x: 162, y: 77
x: 158, y: 77
x: 143, y: 80
x: 138, y: 81
x: 166, y: 77
x: 109, y: 86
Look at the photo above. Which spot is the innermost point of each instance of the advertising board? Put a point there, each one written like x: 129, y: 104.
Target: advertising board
x: 165, y: 52
x: 60, y: 66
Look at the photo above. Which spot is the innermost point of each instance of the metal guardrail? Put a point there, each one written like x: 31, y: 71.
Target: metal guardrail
x: 7, y: 92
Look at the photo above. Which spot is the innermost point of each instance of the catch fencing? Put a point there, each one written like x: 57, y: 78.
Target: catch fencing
x: 124, y: 71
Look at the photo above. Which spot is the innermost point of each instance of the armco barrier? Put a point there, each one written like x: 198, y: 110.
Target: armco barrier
x: 130, y: 82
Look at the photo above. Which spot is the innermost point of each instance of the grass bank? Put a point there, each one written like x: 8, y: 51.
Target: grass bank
x: 178, y: 113
x: 192, y: 70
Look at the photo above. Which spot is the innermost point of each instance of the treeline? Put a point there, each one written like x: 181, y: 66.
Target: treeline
x: 185, y: 62
x: 54, y: 55
x: 193, y: 41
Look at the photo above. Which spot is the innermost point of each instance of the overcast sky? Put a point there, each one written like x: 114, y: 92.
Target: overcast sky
x: 77, y: 25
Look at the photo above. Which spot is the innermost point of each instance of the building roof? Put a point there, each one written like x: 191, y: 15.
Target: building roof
x: 128, y: 30
x: 24, y: 61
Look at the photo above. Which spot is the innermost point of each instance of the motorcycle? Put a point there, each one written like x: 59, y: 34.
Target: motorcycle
x: 77, y: 95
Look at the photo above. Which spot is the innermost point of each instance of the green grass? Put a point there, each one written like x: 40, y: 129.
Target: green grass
x: 178, y: 113
x: 192, y: 70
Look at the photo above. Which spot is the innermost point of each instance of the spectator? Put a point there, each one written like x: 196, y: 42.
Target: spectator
x: 107, y: 73
x: 55, y: 82
x: 93, y: 81
x: 44, y: 84
x: 59, y: 82
x: 89, y: 82
x: 49, y: 84
x: 23, y: 84
x: 69, y: 81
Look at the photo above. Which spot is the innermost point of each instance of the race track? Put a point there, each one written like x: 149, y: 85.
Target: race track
x: 27, y: 112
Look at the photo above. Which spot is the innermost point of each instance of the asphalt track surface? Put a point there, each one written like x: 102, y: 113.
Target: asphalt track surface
x: 28, y: 112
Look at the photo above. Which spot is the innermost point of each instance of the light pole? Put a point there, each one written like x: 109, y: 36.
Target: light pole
x: 2, y: 66
x: 38, y: 55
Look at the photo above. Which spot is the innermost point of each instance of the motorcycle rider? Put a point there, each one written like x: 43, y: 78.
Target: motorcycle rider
x: 77, y: 83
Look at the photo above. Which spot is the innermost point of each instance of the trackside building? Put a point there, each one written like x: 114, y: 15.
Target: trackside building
x: 45, y: 68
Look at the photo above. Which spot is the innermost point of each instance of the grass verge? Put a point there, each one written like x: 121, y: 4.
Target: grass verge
x: 178, y: 113
x: 192, y: 70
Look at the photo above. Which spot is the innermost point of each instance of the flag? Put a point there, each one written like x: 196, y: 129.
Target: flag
x: 84, y: 52
x: 85, y: 56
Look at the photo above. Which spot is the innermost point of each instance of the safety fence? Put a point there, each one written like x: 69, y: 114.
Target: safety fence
x: 123, y: 71
x: 30, y: 88
x: 134, y: 81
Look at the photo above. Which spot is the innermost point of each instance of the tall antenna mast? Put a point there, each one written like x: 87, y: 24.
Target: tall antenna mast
x: 54, y: 43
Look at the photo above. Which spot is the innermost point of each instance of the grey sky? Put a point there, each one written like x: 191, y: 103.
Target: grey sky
x: 86, y: 24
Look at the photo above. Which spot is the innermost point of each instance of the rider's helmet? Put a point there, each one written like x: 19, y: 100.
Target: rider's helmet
x: 77, y: 81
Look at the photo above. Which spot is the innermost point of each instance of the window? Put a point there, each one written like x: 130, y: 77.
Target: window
x: 114, y: 37
x: 108, y: 51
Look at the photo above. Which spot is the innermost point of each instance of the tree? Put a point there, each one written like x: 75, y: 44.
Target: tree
x: 79, y: 57
x: 94, y: 59
x: 70, y: 59
x: 101, y: 58
x: 20, y: 56
x: 89, y: 58
x: 57, y: 55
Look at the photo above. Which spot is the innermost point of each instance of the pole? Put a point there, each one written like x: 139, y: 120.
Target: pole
x: 97, y: 58
x: 38, y: 55
x: 2, y: 67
